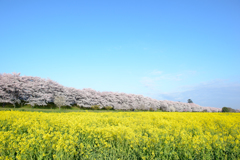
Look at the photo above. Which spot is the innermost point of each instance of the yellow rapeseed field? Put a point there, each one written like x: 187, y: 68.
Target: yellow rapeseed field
x: 119, y: 135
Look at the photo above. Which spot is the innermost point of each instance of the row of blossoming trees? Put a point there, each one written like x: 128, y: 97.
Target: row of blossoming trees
x: 38, y: 91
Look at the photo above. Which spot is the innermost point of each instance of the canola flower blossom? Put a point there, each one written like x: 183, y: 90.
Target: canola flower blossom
x: 119, y: 135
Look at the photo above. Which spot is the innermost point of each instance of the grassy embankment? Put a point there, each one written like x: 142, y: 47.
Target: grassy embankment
x: 53, y: 108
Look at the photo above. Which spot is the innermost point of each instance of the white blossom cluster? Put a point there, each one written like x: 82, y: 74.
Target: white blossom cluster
x: 38, y: 91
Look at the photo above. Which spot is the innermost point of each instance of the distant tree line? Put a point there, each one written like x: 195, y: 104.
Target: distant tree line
x: 16, y: 89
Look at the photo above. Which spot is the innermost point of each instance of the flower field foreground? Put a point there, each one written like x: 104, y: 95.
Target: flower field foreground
x: 120, y: 135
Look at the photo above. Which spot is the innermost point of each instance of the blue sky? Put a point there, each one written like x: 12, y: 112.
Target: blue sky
x: 172, y: 50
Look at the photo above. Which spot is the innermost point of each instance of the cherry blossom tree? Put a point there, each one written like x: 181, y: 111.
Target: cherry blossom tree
x: 60, y: 101
x: 10, y: 88
x: 38, y: 91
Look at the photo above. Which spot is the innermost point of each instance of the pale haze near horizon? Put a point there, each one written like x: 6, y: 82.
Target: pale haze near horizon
x: 173, y: 50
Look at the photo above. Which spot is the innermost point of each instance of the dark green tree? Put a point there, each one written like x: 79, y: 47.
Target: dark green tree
x: 190, y: 101
x: 228, y: 109
x: 225, y: 109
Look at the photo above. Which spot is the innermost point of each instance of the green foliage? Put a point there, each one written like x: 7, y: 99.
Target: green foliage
x: 108, y: 107
x: 95, y: 107
x: 160, y: 110
x: 9, y: 105
x: 49, y: 105
x: 225, y: 109
x: 228, y: 109
x: 66, y: 107
x: 151, y: 109
x: 190, y: 101
x: 6, y: 105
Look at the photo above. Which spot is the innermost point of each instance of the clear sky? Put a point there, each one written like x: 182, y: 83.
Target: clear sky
x: 173, y: 50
